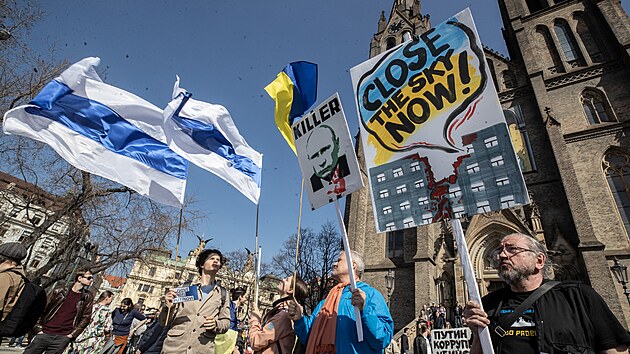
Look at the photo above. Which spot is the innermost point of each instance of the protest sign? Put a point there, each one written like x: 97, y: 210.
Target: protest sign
x: 435, y: 140
x: 186, y: 293
x: 451, y: 341
x: 326, y: 153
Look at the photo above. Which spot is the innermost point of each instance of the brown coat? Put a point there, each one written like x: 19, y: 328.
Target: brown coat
x: 276, y: 334
x: 185, y: 334
x: 54, y: 302
x: 11, y: 286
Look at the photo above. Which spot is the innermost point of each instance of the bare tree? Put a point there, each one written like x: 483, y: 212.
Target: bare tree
x: 318, y: 253
x: 109, y: 224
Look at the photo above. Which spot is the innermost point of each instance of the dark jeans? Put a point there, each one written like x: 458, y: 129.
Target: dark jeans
x: 48, y: 343
x: 15, y: 341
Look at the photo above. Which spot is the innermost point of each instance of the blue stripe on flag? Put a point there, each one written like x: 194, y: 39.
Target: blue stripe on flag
x: 304, y: 77
x: 100, y: 123
x: 211, y: 139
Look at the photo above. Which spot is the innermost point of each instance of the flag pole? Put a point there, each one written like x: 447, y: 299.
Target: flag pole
x: 297, y: 242
x: 179, y: 237
x: 257, y: 257
x: 471, y: 281
x: 353, y: 283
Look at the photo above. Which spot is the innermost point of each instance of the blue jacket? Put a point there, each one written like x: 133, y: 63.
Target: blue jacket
x: 378, y: 326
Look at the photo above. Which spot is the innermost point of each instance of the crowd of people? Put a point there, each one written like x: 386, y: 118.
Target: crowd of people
x: 73, y: 322
x: 531, y: 314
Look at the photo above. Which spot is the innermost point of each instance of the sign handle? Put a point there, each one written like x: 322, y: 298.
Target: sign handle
x: 471, y: 281
x: 353, y: 283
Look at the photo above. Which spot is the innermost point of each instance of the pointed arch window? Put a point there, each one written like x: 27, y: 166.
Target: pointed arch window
x: 567, y: 41
x: 391, y: 43
x: 509, y: 80
x: 536, y: 5
x: 616, y: 165
x: 588, y: 38
x: 596, y: 107
x: 549, y: 52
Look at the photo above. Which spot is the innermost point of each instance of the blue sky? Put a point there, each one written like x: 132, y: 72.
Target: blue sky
x: 226, y: 52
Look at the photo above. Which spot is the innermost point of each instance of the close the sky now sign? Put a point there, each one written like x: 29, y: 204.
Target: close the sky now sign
x: 435, y: 140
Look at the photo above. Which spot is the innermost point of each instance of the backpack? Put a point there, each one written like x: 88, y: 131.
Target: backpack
x: 27, y: 310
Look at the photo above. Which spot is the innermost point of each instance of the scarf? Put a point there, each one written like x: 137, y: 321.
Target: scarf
x: 323, y: 334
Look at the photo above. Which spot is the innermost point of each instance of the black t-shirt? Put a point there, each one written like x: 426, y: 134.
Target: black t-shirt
x: 520, y: 337
x: 572, y: 315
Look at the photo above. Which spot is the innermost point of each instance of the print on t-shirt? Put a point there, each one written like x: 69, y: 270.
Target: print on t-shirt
x: 520, y: 337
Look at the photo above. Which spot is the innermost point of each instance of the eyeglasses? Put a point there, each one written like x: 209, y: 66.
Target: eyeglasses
x: 510, y: 250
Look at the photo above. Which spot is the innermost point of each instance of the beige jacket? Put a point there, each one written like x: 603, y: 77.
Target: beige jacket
x: 11, y: 286
x: 185, y: 334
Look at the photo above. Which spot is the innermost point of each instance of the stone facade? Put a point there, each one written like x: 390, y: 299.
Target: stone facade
x: 23, y: 207
x: 564, y: 88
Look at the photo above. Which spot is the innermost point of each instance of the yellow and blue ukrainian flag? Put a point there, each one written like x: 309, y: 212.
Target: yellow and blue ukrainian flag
x: 295, y: 91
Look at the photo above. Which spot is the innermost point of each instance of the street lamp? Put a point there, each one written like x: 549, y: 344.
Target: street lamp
x: 389, y: 283
x: 621, y: 272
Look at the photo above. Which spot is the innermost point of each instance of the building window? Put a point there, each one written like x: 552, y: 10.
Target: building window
x: 507, y: 202
x: 419, y: 184
x: 36, y: 261
x: 509, y: 81
x: 589, y: 39
x: 271, y: 296
x: 178, y: 275
x: 469, y: 149
x: 191, y: 277
x: 383, y: 194
x: 391, y: 43
x: 395, y: 243
x: 596, y: 108
x: 477, y: 187
x: 140, y: 287
x: 25, y: 234
x: 427, y: 218
x: 455, y: 192
x: 401, y: 189
x: 398, y: 172
x: 483, y: 207
x: 491, y: 141
x: 408, y: 222
x: 616, y: 165
x: 405, y: 205
x: 520, y: 138
x: 390, y: 226
x: 141, y: 301
x: 472, y: 168
x: 423, y: 201
x: 146, y: 288
x: 387, y: 210
x: 380, y: 178
x: 497, y: 161
x: 536, y: 5
x: 567, y: 42
x: 415, y: 166
x: 152, y: 271
x: 36, y: 220
x: 458, y: 212
x: 503, y: 181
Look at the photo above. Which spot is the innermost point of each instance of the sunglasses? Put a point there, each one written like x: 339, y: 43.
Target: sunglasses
x: 89, y: 278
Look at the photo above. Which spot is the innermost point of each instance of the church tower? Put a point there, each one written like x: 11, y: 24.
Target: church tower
x: 564, y: 91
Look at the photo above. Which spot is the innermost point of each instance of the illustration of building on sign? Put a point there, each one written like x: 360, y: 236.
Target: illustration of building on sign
x: 486, y: 179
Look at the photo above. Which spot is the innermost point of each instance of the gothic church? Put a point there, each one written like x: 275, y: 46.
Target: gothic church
x: 565, y: 92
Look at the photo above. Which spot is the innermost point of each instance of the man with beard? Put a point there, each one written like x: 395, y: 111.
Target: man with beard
x: 535, y: 315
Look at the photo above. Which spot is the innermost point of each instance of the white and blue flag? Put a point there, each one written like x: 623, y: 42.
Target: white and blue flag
x: 103, y: 130
x: 205, y: 135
